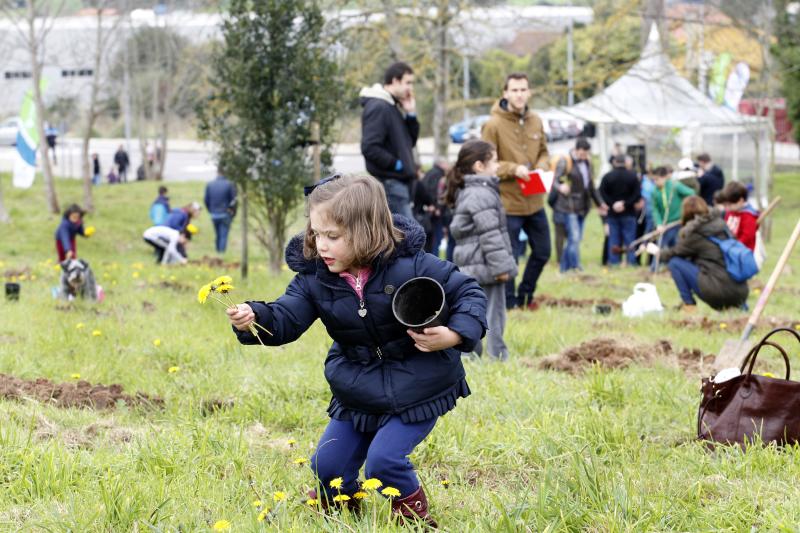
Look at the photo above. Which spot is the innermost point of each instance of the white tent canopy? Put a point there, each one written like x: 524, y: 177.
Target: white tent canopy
x: 653, y: 96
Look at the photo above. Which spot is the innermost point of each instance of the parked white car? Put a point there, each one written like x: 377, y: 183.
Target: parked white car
x: 8, y: 131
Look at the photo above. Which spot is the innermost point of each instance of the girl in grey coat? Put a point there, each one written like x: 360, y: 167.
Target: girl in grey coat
x: 483, y: 247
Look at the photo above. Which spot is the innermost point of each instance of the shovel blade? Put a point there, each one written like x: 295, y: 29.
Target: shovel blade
x: 732, y: 354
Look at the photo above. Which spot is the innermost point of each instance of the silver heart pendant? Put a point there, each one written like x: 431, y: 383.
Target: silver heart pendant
x: 362, y: 313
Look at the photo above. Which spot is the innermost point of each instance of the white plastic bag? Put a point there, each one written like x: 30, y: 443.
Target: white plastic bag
x: 643, y: 300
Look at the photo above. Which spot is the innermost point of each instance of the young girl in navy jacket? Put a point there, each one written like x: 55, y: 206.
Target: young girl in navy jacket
x: 389, y: 384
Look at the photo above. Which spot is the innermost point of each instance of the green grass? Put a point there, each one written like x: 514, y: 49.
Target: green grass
x: 611, y: 450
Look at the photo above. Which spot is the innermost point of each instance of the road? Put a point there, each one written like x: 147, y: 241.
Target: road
x: 194, y: 161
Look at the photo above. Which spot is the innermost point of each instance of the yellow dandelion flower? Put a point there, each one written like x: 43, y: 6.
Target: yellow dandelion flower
x: 172, y: 278
x: 221, y: 525
x: 360, y: 495
x: 173, y: 369
x: 156, y: 342
x: 291, y: 443
x: 33, y: 277
x: 723, y: 325
x: 202, y: 294
x: 191, y: 228
x: 88, y: 231
x: 372, y: 484
x: 300, y: 461
x: 391, y: 492
x: 279, y: 496
x: 445, y: 483
x: 263, y: 515
x: 79, y: 325
x: 222, y: 280
x: 312, y: 501
x: 75, y: 376
x: 138, y: 265
x: 57, y: 267
x: 225, y: 288
x: 257, y: 503
x: 96, y: 333
x: 23, y: 277
x: 336, y: 483
x: 106, y: 275
x: 135, y: 275
x: 341, y: 498
x: 768, y: 375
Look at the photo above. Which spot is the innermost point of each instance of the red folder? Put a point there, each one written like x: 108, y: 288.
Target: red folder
x: 535, y: 185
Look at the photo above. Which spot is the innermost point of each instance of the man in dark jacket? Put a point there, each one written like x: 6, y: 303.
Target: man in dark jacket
x: 711, y: 178
x: 620, y: 190
x: 571, y: 196
x: 389, y: 131
x: 220, y: 200
x: 122, y: 161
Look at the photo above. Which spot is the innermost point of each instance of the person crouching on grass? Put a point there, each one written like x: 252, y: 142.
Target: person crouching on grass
x: 483, y: 247
x: 71, y: 225
x: 697, y: 264
x: 389, y: 384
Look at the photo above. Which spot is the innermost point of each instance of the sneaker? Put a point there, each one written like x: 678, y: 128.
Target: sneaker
x: 533, y: 305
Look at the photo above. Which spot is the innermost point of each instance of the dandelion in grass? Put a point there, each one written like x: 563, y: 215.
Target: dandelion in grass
x: 336, y: 483
x: 372, y: 484
x: 279, y: 496
x: 341, y: 498
x: 257, y: 503
x: 174, y: 369
x: 312, y: 501
x: 75, y: 376
x: 97, y: 333
x: 300, y: 461
x: 391, y: 492
x: 291, y: 443
x: 445, y: 483
x: 263, y: 515
x: 360, y: 495
x: 221, y: 525
x: 135, y: 275
x: 156, y: 342
x: 80, y: 325
x: 723, y: 325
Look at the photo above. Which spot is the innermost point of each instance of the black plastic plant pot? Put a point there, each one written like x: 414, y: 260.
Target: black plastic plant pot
x: 12, y: 291
x: 419, y: 303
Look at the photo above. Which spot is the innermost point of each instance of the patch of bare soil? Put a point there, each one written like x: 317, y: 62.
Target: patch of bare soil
x: 17, y: 272
x: 614, y: 353
x: 736, y: 324
x: 214, y: 262
x: 550, y: 301
x: 79, y: 394
x: 175, y: 286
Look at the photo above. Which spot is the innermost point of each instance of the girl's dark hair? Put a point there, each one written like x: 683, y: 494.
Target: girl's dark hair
x: 733, y: 192
x: 661, y: 171
x: 692, y: 207
x: 471, y: 152
x: 73, y: 208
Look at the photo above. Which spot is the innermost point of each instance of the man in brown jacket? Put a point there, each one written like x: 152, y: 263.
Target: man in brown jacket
x: 518, y: 134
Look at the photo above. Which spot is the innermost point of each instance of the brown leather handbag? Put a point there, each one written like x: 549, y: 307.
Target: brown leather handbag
x: 749, y: 405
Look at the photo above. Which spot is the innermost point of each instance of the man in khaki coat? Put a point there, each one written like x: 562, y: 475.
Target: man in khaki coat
x: 518, y: 134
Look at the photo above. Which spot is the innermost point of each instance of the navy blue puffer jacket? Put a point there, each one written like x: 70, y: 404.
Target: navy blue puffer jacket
x: 373, y: 368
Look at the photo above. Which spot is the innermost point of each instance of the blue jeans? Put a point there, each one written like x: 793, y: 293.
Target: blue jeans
x: 621, y: 232
x: 537, y: 229
x: 342, y: 450
x: 684, y: 274
x: 573, y: 230
x: 399, y: 197
x: 222, y: 224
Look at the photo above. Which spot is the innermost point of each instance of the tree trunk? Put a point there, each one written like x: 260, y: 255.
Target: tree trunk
x: 277, y: 240
x: 245, y: 258
x: 91, y: 115
x: 393, y: 40
x: 86, y: 172
x: 441, y: 82
x: 4, y: 218
x: 36, y: 71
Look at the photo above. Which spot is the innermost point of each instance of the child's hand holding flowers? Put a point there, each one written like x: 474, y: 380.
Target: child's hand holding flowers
x: 244, y: 316
x: 241, y: 316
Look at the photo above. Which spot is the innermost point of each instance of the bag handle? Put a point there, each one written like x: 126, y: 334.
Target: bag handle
x: 751, y: 356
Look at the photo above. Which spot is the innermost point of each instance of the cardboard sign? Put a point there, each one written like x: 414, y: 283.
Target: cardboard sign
x: 539, y: 183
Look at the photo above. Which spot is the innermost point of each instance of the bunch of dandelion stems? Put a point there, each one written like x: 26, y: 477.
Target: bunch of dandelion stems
x: 229, y: 304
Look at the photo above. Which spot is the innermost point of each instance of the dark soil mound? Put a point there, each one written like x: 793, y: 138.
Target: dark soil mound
x: 214, y: 262
x: 550, y: 301
x: 613, y: 353
x: 735, y: 324
x: 78, y: 394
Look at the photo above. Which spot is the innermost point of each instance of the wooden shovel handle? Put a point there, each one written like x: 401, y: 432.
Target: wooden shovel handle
x: 773, y: 279
x: 768, y: 211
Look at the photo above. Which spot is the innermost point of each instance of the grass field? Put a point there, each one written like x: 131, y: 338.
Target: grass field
x: 530, y: 450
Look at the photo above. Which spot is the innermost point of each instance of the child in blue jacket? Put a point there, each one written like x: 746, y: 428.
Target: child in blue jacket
x: 71, y: 225
x: 389, y: 384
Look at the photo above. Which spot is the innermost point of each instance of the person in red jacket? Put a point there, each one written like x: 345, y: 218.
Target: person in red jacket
x: 741, y: 217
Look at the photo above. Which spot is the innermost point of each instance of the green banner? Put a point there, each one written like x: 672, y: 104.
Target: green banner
x: 719, y: 77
